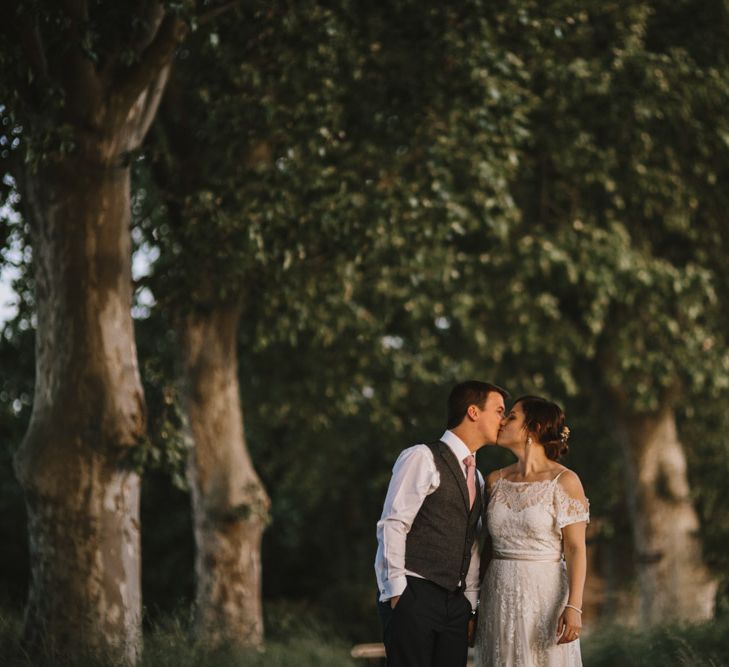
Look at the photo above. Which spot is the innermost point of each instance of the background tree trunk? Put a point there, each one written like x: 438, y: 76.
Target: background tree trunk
x: 82, y: 497
x: 230, y: 505
x: 674, y: 582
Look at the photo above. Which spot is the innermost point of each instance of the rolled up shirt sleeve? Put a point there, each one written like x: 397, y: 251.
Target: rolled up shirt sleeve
x: 414, y: 477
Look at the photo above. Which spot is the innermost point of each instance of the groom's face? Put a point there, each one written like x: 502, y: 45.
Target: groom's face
x: 489, y: 419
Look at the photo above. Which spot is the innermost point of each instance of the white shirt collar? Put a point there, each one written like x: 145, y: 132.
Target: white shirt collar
x: 457, y: 446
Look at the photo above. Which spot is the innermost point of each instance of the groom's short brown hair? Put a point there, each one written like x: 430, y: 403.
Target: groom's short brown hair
x: 470, y: 392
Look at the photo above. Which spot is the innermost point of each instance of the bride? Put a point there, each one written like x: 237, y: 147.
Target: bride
x: 531, y: 597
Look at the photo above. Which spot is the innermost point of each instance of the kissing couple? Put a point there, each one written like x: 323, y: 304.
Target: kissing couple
x: 532, y: 515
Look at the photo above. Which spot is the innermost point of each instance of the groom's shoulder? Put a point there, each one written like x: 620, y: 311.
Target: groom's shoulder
x: 421, y: 449
x: 414, y: 453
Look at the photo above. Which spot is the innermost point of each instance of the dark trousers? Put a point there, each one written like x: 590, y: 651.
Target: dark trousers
x: 427, y: 628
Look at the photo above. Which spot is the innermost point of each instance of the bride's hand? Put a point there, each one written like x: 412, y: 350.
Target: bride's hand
x: 569, y: 626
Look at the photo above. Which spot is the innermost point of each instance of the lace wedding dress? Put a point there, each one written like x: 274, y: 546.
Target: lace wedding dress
x: 525, y: 587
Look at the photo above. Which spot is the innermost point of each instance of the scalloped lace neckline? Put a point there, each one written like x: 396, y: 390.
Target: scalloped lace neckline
x: 538, y: 481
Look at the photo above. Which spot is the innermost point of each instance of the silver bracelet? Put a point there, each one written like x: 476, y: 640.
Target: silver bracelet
x: 571, y: 606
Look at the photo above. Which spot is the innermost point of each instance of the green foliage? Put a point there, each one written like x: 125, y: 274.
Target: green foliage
x: 34, y: 90
x: 324, y: 152
x: 170, y: 651
x: 702, y: 645
x: 167, y: 443
x: 169, y: 643
x: 327, y: 179
x: 14, y: 549
x: 16, y: 392
x: 704, y: 423
x: 168, y: 547
x: 618, y: 195
x: 530, y: 200
x: 405, y: 195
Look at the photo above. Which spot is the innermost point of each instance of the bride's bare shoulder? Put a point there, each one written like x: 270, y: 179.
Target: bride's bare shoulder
x: 492, y: 477
x: 570, y: 482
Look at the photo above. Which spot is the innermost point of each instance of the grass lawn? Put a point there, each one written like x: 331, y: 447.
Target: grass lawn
x: 168, y: 644
x: 704, y: 645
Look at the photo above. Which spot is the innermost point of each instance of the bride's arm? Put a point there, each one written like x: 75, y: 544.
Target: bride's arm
x: 574, y: 519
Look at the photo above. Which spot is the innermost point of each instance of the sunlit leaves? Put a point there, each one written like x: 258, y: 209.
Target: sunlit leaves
x: 617, y: 189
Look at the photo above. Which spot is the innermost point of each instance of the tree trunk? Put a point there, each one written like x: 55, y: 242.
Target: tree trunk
x: 82, y: 497
x: 675, y: 585
x: 230, y: 505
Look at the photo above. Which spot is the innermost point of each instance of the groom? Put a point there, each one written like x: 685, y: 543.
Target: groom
x: 427, y: 556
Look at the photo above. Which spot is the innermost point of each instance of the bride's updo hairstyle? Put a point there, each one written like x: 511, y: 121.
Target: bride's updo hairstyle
x: 545, y: 420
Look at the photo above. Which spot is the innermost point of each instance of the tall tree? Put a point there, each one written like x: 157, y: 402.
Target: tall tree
x: 619, y: 189
x: 321, y: 148
x: 83, y: 80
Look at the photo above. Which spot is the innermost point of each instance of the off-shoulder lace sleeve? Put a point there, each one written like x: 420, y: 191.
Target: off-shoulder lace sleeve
x: 570, y: 510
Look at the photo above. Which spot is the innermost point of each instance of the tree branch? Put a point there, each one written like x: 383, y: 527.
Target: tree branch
x: 155, y: 58
x: 149, y: 73
x: 77, y: 70
x: 151, y: 103
x: 170, y: 33
x: 150, y: 18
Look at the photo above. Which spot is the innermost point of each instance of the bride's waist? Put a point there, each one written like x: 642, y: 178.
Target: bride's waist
x: 533, y: 556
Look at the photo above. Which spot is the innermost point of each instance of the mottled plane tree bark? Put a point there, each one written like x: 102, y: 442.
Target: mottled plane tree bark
x: 230, y: 507
x: 666, y: 529
x: 83, y: 81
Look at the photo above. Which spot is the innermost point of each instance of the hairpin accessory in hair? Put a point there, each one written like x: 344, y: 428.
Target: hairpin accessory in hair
x: 564, y: 435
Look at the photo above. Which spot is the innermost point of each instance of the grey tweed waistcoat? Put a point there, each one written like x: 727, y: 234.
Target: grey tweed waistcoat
x: 438, y: 546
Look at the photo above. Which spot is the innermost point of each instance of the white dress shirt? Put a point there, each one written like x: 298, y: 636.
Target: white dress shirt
x: 414, y: 476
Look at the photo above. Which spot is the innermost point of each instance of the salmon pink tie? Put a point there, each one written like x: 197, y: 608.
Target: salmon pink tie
x: 470, y: 463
